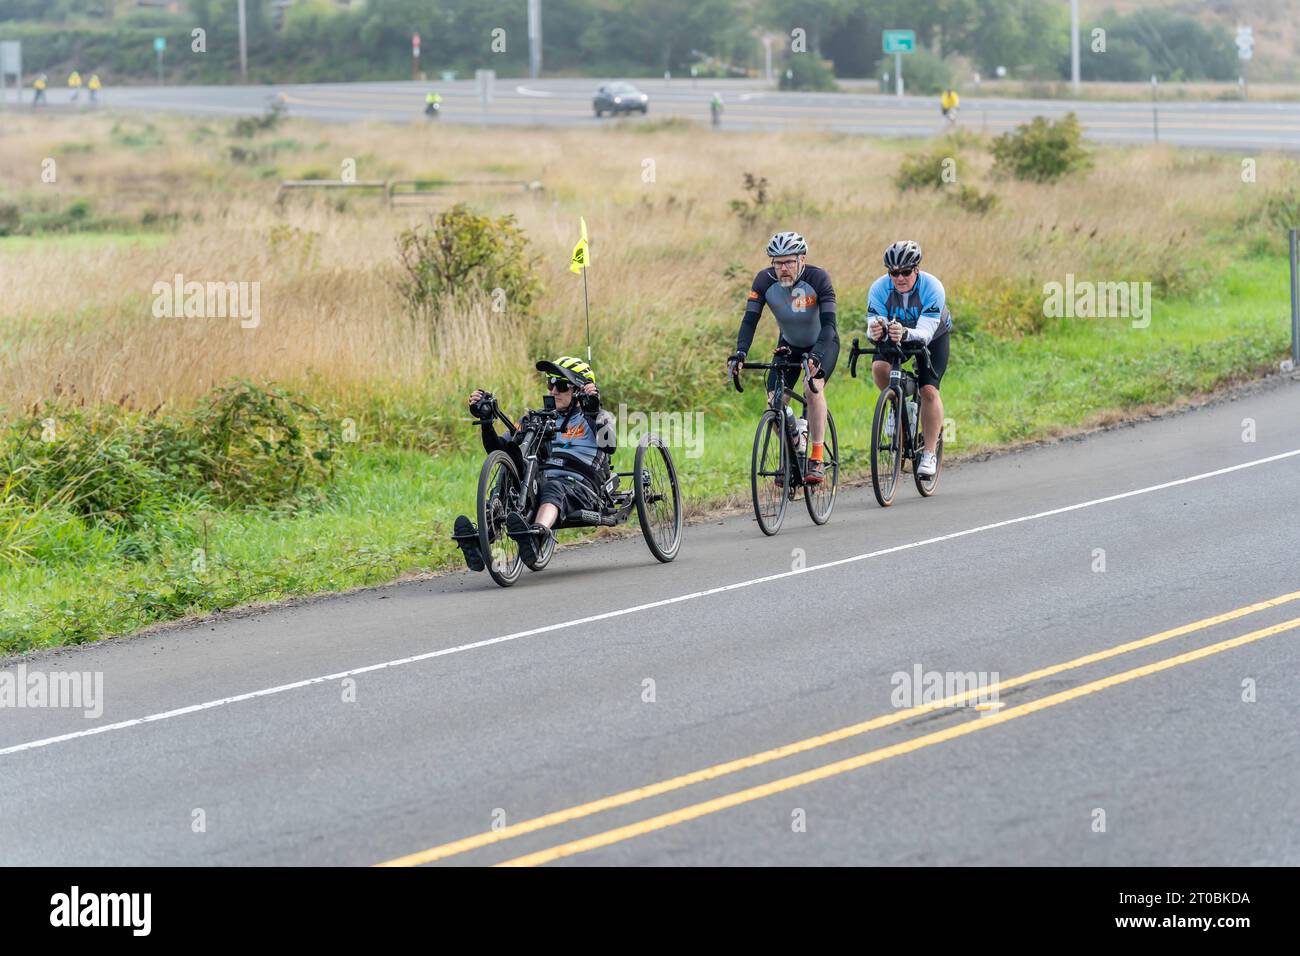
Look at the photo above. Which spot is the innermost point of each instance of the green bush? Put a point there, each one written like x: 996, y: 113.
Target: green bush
x: 924, y: 74
x: 464, y: 255
x: 804, y: 71
x: 1042, y: 150
x: 972, y: 200
x: 923, y: 170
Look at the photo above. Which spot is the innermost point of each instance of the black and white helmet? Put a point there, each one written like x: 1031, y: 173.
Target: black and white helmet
x: 786, y: 244
x: 904, y: 254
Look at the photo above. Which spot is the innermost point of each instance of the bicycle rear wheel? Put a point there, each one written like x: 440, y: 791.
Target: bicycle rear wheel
x: 926, y: 486
x: 886, y: 450
x: 820, y: 499
x: 769, y: 473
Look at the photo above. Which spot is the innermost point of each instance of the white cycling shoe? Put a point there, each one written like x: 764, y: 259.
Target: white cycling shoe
x: 928, y: 465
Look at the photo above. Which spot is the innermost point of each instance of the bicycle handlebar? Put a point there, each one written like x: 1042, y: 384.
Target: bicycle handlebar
x: 802, y: 364
x: 886, y: 347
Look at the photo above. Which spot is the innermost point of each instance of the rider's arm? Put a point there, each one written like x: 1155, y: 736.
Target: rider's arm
x: 753, y: 309
x: 932, y: 311
x: 878, y: 300
x: 825, y: 293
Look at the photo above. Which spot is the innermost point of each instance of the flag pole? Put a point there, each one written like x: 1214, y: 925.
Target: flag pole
x: 587, y: 309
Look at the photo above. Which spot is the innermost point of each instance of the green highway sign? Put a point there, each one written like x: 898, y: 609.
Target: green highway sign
x: 899, y: 41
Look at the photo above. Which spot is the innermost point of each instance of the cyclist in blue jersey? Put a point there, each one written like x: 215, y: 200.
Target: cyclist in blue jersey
x: 802, y: 301
x: 908, y: 305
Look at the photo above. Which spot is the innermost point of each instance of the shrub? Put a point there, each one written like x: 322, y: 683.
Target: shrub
x: 922, y: 171
x: 749, y: 209
x: 1042, y: 150
x: 972, y: 200
x: 465, y: 255
x: 805, y: 71
x: 249, y: 126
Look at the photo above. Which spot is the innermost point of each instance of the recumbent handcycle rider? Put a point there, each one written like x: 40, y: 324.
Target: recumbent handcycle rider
x: 576, y: 463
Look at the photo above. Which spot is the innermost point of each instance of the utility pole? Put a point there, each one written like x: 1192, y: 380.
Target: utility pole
x: 1074, y: 46
x: 534, y: 39
x: 243, y: 44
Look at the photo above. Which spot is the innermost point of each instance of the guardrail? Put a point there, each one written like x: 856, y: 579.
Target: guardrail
x: 404, y: 192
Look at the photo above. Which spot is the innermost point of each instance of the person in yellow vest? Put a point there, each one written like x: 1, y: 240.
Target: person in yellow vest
x: 949, y: 101
x: 39, y: 86
x: 94, y: 86
x: 74, y: 84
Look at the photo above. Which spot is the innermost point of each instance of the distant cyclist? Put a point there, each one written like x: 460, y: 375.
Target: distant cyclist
x: 949, y: 103
x: 74, y: 84
x: 908, y: 305
x: 802, y: 300
x: 39, y: 86
x: 432, y: 104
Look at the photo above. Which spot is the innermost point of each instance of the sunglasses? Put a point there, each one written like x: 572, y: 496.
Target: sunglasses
x: 900, y: 273
x: 559, y: 384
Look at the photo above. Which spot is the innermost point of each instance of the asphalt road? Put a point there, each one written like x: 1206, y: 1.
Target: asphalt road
x: 449, y: 721
x: 748, y: 106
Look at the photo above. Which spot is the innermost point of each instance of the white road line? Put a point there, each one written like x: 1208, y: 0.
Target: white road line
x: 607, y: 615
x: 525, y: 91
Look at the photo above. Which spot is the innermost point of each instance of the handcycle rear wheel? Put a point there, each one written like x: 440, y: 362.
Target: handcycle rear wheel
x: 658, y: 498
x: 769, y: 463
x: 886, y: 450
x: 498, y: 494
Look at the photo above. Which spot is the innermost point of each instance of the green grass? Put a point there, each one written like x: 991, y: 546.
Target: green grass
x: 80, y: 241
x: 390, y: 511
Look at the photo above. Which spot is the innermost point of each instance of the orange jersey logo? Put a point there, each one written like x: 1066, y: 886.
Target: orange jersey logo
x: 753, y: 296
x: 801, y: 302
x: 576, y: 430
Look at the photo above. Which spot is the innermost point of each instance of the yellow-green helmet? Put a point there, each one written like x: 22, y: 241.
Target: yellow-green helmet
x: 574, y: 369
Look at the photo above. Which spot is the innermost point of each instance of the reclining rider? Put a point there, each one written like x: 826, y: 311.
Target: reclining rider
x: 575, y: 463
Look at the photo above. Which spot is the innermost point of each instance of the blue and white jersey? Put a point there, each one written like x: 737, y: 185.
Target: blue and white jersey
x: 923, y: 311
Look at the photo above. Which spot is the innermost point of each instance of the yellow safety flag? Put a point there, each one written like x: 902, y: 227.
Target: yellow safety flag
x: 581, y: 254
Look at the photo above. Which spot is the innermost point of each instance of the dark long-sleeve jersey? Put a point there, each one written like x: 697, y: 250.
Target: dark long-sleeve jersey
x: 805, y: 312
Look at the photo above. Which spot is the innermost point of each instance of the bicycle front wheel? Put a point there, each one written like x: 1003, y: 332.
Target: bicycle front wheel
x: 769, y: 473
x: 886, y: 447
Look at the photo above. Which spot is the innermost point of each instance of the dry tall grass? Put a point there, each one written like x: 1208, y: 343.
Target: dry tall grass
x: 77, y: 319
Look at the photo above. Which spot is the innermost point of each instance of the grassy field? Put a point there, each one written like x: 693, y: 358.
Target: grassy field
x: 672, y: 258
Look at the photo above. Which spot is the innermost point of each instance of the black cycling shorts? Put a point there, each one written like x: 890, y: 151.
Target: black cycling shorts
x: 931, y: 374
x: 569, y: 495
x: 791, y: 375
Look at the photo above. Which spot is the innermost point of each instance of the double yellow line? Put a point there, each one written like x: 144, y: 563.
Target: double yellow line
x: 750, y: 794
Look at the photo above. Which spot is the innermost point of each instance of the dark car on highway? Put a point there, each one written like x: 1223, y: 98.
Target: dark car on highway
x: 619, y: 98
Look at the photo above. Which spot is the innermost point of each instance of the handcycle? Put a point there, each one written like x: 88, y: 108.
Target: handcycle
x: 896, y: 432
x: 776, y: 466
x: 655, y: 493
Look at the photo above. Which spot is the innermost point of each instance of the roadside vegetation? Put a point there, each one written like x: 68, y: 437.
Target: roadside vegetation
x: 155, y: 465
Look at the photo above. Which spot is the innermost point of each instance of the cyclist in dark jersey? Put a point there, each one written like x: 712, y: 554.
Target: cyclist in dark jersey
x: 908, y: 304
x: 802, y: 300
x: 577, y: 460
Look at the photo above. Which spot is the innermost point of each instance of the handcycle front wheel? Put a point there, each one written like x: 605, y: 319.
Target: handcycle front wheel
x: 769, y: 473
x: 498, y: 494
x: 658, y: 498
x: 886, y: 450
x: 820, y: 499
